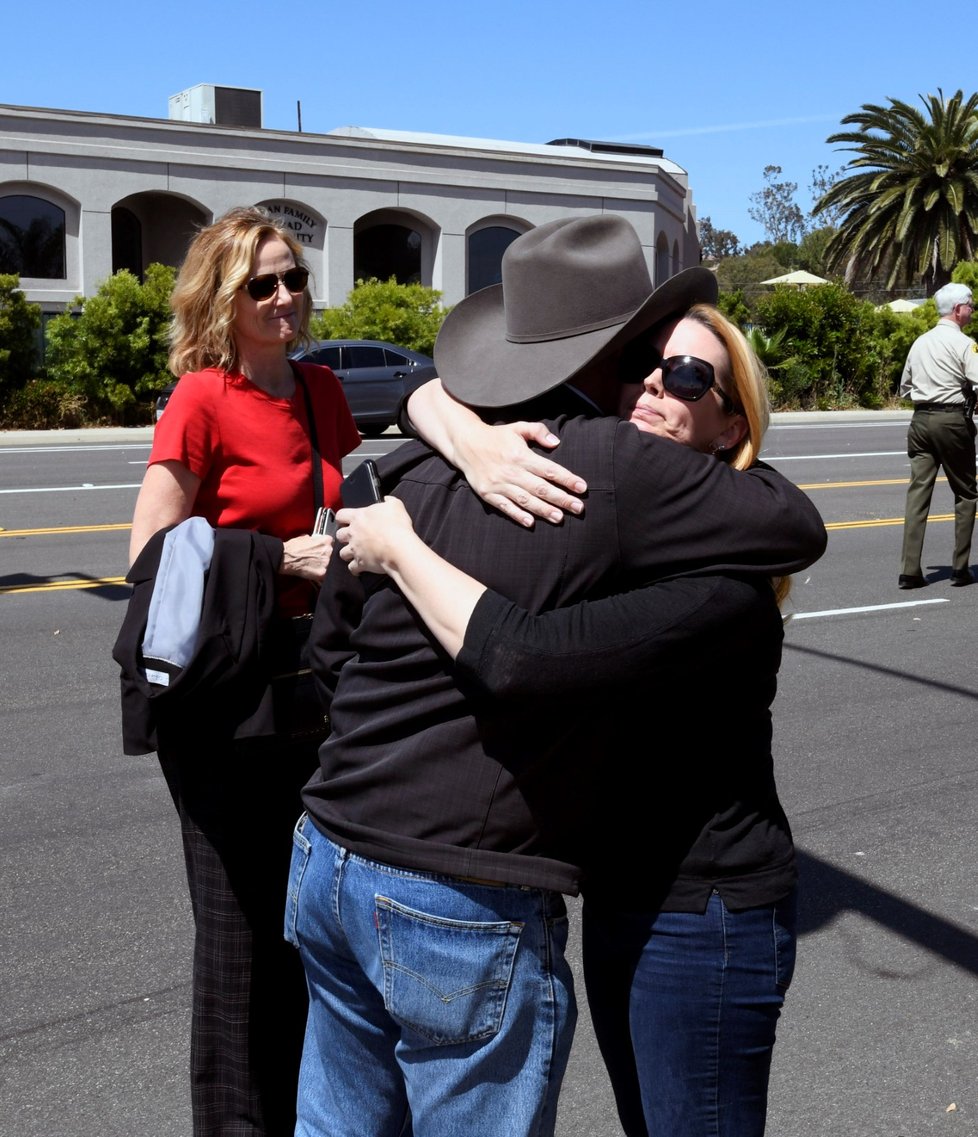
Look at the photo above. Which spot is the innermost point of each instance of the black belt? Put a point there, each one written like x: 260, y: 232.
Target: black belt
x: 959, y: 407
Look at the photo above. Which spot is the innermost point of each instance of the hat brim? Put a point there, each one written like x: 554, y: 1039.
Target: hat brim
x: 479, y: 366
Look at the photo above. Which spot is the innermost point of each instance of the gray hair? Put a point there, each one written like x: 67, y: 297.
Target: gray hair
x: 948, y: 297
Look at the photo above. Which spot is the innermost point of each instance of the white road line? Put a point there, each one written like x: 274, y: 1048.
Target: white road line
x: 867, y: 608
x: 894, y: 422
x: 71, y: 449
x: 74, y: 489
x: 818, y: 457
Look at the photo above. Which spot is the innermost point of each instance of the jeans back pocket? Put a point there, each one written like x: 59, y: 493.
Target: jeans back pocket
x: 446, y: 979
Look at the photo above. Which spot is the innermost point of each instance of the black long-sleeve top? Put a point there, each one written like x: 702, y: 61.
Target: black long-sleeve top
x: 417, y: 774
x: 680, y: 676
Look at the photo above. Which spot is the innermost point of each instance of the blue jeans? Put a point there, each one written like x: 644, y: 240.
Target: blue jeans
x: 431, y: 997
x: 685, y: 1008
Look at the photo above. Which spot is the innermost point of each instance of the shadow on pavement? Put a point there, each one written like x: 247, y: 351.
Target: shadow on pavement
x: 96, y: 586
x: 825, y: 892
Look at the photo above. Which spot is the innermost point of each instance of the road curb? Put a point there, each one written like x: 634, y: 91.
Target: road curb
x: 107, y: 435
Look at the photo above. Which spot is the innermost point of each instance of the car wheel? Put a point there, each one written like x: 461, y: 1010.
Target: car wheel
x: 372, y: 429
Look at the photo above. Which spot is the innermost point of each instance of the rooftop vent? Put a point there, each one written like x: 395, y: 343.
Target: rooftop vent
x: 630, y: 148
x: 221, y: 106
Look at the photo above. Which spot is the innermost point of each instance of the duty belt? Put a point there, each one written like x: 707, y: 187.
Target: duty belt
x: 938, y: 406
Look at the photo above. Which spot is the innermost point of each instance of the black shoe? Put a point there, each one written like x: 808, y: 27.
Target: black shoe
x: 961, y: 577
x: 913, y: 581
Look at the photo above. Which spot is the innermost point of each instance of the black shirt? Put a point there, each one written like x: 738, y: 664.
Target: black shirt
x: 681, y: 676
x: 419, y: 774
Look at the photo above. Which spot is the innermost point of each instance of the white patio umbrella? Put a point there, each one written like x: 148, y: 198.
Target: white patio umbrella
x: 902, y: 305
x: 797, y: 279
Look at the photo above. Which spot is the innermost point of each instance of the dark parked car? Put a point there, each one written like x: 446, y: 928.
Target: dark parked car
x: 163, y: 398
x: 375, y: 377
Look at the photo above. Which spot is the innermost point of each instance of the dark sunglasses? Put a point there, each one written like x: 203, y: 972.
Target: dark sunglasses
x: 683, y: 376
x: 264, y: 286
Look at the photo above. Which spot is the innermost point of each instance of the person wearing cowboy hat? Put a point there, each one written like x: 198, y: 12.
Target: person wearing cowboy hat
x: 563, y: 295
x: 442, y: 829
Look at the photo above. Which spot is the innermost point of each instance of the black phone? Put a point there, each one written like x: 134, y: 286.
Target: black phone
x: 325, y: 523
x: 362, y: 487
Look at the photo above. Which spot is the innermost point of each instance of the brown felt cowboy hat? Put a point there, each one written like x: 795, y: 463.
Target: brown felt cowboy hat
x: 572, y: 291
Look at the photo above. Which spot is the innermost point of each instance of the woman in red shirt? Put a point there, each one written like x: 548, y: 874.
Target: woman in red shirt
x: 237, y: 446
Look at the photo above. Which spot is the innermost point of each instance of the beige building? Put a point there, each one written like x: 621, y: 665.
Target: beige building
x: 83, y: 195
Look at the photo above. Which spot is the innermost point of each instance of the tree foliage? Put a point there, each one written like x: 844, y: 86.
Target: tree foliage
x: 823, y: 179
x: 811, y: 252
x: 715, y: 244
x: 774, y: 207
x: 113, y: 352
x: 405, y: 314
x: 19, y: 321
x: 745, y: 272
x: 910, y: 209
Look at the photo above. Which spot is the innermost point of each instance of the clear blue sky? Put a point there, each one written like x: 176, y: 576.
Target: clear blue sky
x: 724, y: 88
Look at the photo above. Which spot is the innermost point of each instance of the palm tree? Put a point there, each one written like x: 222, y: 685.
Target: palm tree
x: 771, y: 350
x: 912, y: 212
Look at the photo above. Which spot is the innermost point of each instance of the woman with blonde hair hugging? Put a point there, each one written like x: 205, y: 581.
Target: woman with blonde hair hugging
x: 689, y: 926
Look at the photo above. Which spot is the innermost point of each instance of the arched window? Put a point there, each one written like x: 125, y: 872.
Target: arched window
x: 32, y: 237
x: 383, y: 251
x: 127, y: 241
x: 661, y: 260
x: 485, y: 256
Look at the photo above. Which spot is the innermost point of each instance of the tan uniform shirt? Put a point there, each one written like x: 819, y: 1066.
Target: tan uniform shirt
x: 937, y: 363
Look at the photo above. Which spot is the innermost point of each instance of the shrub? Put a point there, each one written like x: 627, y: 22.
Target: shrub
x: 19, y: 321
x: 112, y: 354
x: 405, y: 314
x: 735, y: 307
x: 44, y: 403
x: 840, y: 347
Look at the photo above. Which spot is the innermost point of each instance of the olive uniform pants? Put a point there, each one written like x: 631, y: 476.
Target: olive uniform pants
x: 940, y: 439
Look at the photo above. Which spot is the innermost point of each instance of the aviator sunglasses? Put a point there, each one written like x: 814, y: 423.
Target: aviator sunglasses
x: 264, y: 286
x: 683, y: 376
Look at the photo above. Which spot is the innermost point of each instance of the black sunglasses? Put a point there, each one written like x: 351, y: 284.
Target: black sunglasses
x: 683, y: 376
x: 264, y: 286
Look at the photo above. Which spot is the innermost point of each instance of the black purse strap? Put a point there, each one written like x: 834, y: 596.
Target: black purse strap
x: 317, y: 462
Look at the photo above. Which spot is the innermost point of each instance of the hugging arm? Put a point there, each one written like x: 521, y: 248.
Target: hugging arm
x: 682, y: 512
x: 503, y: 651
x: 594, y: 647
x: 497, y: 461
x: 381, y: 538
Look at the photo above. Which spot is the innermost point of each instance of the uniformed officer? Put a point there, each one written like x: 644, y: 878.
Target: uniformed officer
x: 941, y: 376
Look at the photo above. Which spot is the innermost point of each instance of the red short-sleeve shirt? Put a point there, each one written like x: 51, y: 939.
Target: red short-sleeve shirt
x: 252, y: 451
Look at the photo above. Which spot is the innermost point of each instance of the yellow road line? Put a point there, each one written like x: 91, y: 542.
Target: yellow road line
x: 851, y: 485
x: 116, y: 528
x: 65, y: 529
x: 882, y: 521
x: 66, y: 585
x: 61, y: 585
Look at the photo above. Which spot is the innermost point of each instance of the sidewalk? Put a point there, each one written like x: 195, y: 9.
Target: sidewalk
x: 121, y: 435
x: 88, y: 436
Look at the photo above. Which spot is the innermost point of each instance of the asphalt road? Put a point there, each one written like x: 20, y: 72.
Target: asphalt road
x: 876, y: 764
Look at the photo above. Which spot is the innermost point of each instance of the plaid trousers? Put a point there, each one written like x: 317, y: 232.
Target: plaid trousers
x: 238, y: 804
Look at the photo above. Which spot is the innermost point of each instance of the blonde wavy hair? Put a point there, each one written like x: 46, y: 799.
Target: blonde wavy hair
x: 744, y: 380
x: 217, y: 264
